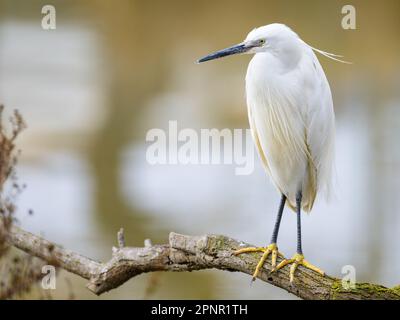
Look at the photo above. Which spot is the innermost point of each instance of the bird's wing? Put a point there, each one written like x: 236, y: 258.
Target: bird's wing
x: 292, y: 120
x: 279, y: 134
x: 321, y: 127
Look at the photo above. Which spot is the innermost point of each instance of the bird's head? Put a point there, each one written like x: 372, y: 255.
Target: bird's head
x: 276, y: 38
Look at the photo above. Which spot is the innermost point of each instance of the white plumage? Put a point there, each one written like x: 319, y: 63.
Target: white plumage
x: 293, y: 125
x: 291, y: 113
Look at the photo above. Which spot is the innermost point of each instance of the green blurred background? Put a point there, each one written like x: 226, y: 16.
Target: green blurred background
x: 91, y: 89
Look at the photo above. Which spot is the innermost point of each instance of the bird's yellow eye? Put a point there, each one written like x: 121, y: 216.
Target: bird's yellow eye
x: 262, y: 41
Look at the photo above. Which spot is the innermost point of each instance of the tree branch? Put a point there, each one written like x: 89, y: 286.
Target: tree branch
x: 188, y: 253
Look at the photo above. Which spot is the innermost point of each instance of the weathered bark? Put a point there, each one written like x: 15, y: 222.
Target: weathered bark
x: 188, y: 253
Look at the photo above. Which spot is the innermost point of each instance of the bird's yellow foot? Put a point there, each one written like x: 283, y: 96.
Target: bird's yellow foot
x: 298, y: 259
x: 270, y: 249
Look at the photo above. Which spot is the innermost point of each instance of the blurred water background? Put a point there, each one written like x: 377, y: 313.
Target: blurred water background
x: 91, y: 89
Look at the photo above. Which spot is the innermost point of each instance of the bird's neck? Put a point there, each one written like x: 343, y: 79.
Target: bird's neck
x: 287, y: 56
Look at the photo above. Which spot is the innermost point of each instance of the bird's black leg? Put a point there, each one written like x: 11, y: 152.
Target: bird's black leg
x: 298, y: 208
x: 274, y: 237
x: 298, y: 258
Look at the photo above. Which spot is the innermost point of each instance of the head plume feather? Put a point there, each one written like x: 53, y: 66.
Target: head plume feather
x: 329, y: 55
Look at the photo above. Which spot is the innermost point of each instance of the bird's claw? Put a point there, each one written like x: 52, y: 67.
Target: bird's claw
x: 296, y: 260
x: 270, y: 249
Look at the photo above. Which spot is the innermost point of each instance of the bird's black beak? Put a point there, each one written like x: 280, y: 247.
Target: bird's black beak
x: 239, y: 48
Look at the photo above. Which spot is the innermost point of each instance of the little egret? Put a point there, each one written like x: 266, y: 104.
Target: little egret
x: 292, y: 120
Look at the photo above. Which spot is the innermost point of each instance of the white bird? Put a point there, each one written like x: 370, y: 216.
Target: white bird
x: 292, y: 120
